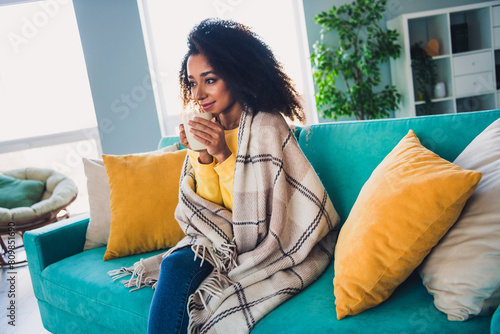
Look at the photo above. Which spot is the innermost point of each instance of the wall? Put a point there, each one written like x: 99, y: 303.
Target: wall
x: 117, y: 66
x: 394, y: 8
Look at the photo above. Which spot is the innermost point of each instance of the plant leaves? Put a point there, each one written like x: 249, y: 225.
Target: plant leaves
x: 363, y: 46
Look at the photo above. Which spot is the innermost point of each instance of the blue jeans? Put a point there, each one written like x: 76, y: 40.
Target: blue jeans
x: 179, y: 278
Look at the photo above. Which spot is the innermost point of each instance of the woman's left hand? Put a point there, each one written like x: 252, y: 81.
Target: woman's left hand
x: 211, y: 134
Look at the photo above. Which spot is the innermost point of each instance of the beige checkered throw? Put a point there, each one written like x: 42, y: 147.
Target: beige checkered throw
x: 279, y: 238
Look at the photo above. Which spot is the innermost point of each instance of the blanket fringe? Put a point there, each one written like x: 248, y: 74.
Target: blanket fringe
x: 136, y: 272
x: 212, y: 286
x: 192, y: 327
x: 223, y: 260
x: 120, y: 273
x: 137, y: 275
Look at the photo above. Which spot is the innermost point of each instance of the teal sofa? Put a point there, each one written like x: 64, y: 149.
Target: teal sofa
x: 75, y: 294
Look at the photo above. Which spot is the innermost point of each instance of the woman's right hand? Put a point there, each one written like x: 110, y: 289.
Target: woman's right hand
x: 204, y: 156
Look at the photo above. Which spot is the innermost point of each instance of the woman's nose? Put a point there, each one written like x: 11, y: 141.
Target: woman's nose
x: 199, y: 93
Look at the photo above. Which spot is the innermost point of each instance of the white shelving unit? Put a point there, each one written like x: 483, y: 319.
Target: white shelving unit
x: 469, y: 53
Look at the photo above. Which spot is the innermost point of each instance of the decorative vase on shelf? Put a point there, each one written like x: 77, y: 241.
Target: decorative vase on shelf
x: 432, y: 48
x: 440, y: 90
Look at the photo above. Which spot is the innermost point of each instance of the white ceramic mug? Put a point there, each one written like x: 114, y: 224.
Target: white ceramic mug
x: 186, y: 117
x: 440, y: 90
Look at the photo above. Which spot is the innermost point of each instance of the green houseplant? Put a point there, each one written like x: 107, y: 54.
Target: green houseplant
x: 363, y: 45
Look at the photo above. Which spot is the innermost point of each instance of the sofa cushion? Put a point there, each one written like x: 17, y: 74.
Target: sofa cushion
x: 99, y: 195
x: 80, y: 285
x: 409, y: 310
x: 463, y: 270
x: 56, y: 320
x: 144, y: 195
x: 99, y: 208
x: 407, y: 205
x: 15, y: 193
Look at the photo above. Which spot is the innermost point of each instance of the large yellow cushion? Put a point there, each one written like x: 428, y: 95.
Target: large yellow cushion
x: 407, y: 205
x: 144, y: 194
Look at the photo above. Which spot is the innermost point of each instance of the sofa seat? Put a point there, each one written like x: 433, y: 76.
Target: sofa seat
x: 410, y: 310
x: 88, y: 291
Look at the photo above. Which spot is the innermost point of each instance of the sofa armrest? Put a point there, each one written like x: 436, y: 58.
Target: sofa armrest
x: 53, y: 243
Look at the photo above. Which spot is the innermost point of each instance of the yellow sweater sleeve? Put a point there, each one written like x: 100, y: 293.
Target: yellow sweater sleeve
x: 207, y: 180
x: 214, y: 181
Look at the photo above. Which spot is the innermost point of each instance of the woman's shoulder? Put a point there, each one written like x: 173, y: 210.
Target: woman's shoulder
x: 271, y: 121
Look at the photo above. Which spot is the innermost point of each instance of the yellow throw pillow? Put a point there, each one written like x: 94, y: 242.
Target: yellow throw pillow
x: 144, y: 194
x: 407, y: 205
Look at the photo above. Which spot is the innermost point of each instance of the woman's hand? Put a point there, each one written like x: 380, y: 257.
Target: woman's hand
x: 211, y: 134
x: 204, y: 157
x: 182, y: 136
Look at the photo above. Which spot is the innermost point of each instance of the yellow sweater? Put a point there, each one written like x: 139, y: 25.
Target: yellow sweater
x: 214, y: 181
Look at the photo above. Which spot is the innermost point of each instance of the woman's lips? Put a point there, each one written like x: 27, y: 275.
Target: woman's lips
x: 207, y: 105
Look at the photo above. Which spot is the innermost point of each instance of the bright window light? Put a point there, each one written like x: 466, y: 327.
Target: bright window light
x: 166, y: 25
x: 44, y: 87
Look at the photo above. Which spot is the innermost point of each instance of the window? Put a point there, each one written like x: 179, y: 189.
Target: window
x: 166, y: 26
x: 46, y: 109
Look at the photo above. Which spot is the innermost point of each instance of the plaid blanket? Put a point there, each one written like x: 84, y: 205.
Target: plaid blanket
x: 279, y: 238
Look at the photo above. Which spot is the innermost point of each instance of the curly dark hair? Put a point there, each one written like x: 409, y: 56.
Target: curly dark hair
x: 246, y: 64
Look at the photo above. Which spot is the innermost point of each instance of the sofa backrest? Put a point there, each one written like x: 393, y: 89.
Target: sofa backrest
x: 344, y: 154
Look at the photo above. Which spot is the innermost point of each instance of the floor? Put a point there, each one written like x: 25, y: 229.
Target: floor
x: 26, y: 316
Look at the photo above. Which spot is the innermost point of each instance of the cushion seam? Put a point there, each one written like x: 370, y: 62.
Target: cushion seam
x: 89, y: 297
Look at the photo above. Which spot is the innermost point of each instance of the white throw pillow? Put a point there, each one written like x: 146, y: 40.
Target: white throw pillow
x: 463, y: 270
x: 99, y: 204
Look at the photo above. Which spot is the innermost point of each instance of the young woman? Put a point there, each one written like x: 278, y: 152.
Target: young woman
x: 259, y: 225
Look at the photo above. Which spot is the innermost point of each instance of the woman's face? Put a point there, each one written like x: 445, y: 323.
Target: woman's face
x: 207, y: 88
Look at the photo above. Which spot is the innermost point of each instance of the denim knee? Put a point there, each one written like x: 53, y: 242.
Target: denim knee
x: 180, y: 276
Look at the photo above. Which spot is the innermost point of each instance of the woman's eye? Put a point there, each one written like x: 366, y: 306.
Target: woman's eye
x: 210, y: 80
x: 192, y: 83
